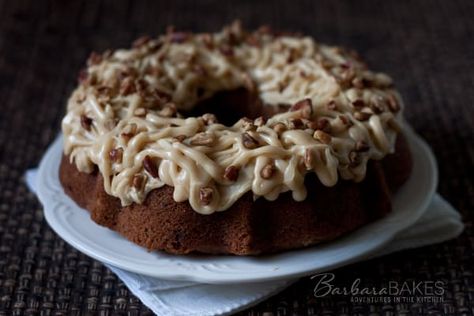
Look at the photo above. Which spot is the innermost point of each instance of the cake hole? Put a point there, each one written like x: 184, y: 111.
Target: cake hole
x: 230, y: 106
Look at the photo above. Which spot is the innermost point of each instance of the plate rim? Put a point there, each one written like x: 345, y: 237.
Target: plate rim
x: 207, y: 276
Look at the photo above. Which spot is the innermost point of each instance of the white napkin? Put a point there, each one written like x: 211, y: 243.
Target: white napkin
x: 440, y: 222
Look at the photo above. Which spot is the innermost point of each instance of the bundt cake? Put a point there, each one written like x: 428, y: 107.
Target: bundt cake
x: 233, y: 143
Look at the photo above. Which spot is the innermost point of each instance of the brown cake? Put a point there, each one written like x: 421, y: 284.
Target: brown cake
x: 233, y: 143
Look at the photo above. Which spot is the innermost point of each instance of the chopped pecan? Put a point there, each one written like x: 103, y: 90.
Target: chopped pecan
x: 116, y: 154
x: 322, y: 137
x: 138, y: 181
x: 305, y: 106
x: 150, y: 166
x: 205, y: 195
x: 86, y: 122
x: 268, y: 171
x: 209, y: 118
x: 362, y: 116
x: 249, y: 142
x: 279, y: 127
x: 169, y: 110
x: 203, y: 139
x: 231, y: 173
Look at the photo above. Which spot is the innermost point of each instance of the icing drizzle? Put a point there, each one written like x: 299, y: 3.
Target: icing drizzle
x: 124, y: 117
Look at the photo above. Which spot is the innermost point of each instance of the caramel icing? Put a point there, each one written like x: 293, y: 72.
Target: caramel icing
x: 124, y: 117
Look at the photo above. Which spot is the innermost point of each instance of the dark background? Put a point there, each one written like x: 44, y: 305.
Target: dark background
x: 426, y: 46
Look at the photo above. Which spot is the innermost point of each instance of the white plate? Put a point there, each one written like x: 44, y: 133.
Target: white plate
x: 74, y: 225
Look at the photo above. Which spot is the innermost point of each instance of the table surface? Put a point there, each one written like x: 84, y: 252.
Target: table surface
x: 426, y: 46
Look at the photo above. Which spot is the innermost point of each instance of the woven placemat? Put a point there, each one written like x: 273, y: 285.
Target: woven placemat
x: 425, y: 45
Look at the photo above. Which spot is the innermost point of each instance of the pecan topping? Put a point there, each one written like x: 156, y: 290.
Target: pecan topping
x: 247, y: 124
x: 322, y: 125
x: 362, y: 116
x: 377, y: 105
x: 361, y: 145
x: 203, y: 139
x: 305, y: 106
x: 268, y: 171
x: 296, y: 123
x: 116, y: 154
x: 150, y: 166
x: 260, y: 121
x: 205, y: 195
x: 322, y: 137
x: 138, y: 181
x: 248, y: 141
x: 279, y: 127
x: 345, y: 120
x: 129, y: 131
x: 86, y: 122
x: 231, y: 173
x: 209, y: 118
x: 168, y: 110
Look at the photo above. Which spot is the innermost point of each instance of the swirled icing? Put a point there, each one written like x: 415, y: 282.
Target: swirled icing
x: 121, y: 118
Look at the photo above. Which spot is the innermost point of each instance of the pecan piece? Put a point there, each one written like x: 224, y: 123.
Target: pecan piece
x: 279, y: 127
x: 205, y: 195
x: 305, y: 106
x: 203, y: 139
x: 362, y: 116
x: 86, y: 122
x: 268, y: 171
x: 209, y: 118
x: 116, y: 154
x: 168, y: 110
x: 322, y: 137
x: 231, y: 173
x: 129, y: 131
x: 150, y: 166
x: 138, y: 181
x: 248, y: 141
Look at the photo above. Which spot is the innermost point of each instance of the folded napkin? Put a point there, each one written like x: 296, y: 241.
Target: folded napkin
x: 440, y: 222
